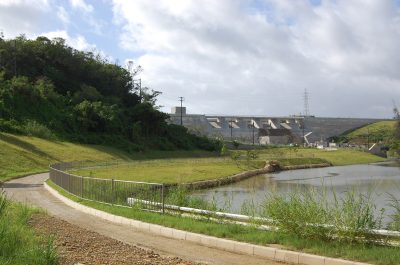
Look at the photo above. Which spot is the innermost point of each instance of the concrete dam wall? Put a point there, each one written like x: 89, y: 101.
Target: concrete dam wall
x: 267, y: 129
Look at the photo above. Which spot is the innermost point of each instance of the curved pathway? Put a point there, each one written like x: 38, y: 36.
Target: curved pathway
x: 31, y: 191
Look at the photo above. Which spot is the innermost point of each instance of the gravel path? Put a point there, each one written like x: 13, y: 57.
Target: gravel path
x: 30, y: 190
x: 77, y: 245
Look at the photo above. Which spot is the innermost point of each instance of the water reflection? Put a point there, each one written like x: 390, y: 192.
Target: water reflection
x: 379, y: 179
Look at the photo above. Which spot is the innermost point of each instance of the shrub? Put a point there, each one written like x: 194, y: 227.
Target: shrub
x: 33, y: 128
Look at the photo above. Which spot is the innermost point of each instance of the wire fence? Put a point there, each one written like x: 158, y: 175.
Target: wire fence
x: 142, y: 195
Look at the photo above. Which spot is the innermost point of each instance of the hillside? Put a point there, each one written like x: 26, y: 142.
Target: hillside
x: 53, y: 91
x: 376, y: 132
x: 22, y: 155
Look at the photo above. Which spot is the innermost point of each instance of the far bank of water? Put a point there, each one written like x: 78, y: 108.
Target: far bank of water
x: 379, y: 179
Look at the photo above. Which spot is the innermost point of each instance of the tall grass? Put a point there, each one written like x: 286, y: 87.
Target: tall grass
x: 309, y: 213
x: 395, y: 204
x: 18, y: 242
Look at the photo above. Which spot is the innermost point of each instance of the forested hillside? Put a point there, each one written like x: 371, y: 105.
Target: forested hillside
x: 49, y: 89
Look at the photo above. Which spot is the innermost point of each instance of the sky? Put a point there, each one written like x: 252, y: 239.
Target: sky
x: 237, y: 57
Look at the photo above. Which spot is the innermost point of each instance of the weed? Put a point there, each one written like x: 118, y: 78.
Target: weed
x: 310, y: 213
x: 395, y: 204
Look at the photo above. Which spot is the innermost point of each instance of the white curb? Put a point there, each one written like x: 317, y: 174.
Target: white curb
x: 270, y: 253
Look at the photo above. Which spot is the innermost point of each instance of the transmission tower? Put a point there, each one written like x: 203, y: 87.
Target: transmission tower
x: 306, y: 106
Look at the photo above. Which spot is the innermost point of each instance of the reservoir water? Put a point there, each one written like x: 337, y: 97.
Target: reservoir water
x: 378, y: 179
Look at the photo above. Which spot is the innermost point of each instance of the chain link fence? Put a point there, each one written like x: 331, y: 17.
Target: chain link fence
x: 142, y: 195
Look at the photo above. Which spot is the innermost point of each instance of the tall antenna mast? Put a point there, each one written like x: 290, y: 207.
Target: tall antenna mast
x: 306, y: 107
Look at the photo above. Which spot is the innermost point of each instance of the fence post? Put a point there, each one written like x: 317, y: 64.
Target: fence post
x: 162, y: 198
x: 69, y: 183
x: 112, y: 191
x: 81, y: 187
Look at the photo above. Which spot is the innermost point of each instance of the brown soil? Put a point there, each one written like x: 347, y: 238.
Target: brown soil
x: 77, y: 245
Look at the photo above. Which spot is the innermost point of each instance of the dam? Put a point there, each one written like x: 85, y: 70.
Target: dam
x: 267, y: 129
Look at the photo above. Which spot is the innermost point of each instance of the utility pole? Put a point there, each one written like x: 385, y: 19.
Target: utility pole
x: 231, y: 127
x: 15, y: 57
x: 302, y: 128
x: 181, y: 99
x: 251, y: 125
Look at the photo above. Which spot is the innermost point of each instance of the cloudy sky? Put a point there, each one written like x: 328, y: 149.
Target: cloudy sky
x: 250, y: 57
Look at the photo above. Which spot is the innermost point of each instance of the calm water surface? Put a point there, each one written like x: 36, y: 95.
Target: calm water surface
x: 379, y: 179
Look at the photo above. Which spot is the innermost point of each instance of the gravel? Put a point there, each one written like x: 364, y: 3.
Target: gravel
x: 76, y: 245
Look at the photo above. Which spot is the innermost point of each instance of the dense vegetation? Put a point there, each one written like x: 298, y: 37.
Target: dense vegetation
x: 49, y: 89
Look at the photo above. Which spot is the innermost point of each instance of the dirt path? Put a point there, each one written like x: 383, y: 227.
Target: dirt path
x: 77, y: 245
x: 30, y: 190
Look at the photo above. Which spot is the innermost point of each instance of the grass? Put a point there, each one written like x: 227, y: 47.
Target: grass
x: 19, y: 244
x: 190, y: 170
x: 340, y: 157
x: 379, y: 131
x: 301, y: 212
x: 376, y: 254
x: 24, y: 155
x: 172, y: 170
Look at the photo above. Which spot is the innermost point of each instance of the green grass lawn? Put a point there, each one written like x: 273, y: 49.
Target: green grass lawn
x: 23, y: 155
x: 379, y: 131
x: 171, y: 170
x: 190, y: 170
x: 375, y: 254
x: 340, y: 157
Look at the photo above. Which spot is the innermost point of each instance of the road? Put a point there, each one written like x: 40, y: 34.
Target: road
x: 30, y: 190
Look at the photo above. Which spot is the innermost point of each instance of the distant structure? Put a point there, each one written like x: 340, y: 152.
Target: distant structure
x: 306, y: 106
x: 294, y: 129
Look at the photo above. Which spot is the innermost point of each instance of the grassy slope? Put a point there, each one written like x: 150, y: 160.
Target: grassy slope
x: 379, y: 130
x: 22, y: 155
x: 339, y: 157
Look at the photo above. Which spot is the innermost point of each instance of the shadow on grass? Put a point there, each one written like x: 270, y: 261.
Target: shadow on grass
x: 24, y: 145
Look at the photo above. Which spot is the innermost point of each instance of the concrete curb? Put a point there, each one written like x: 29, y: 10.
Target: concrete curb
x: 270, y: 253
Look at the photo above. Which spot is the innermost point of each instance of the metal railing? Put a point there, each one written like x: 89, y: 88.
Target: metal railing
x: 146, y: 195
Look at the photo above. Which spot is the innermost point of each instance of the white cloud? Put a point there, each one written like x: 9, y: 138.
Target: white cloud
x: 82, y: 5
x: 62, y: 14
x: 232, y: 57
x: 22, y: 16
x: 79, y: 42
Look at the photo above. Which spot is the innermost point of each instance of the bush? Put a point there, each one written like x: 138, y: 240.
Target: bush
x: 33, y: 128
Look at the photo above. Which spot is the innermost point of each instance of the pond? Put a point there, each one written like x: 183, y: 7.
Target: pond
x: 379, y: 179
